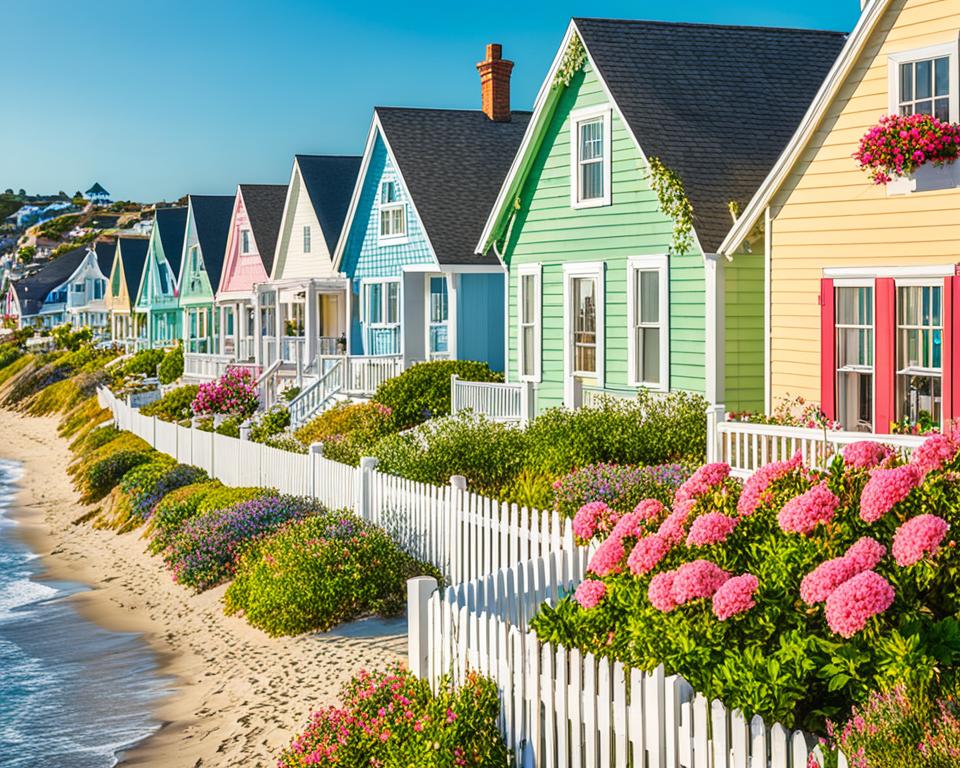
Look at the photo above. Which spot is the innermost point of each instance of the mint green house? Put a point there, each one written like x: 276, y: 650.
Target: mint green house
x: 610, y: 288
x: 157, y: 296
x: 204, y: 248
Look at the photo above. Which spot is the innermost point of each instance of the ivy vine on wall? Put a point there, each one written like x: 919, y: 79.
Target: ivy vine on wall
x: 573, y: 60
x: 668, y: 187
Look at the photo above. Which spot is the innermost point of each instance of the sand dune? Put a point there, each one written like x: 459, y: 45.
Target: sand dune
x: 236, y: 695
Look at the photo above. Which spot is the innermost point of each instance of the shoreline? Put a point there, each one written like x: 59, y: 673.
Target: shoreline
x: 235, y: 696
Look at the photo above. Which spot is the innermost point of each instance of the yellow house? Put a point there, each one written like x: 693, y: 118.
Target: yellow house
x: 123, y: 289
x: 859, y: 278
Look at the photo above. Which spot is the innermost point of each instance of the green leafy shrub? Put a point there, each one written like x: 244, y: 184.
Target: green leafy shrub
x: 348, y: 431
x: 103, y: 475
x: 64, y: 337
x: 286, y: 442
x: 229, y: 427
x: 489, y: 454
x: 318, y: 572
x: 619, y: 487
x: 95, y: 438
x: 9, y: 353
x: 269, y: 423
x: 142, y: 363
x: 101, y: 449
x: 175, y: 406
x: 792, y: 597
x: 423, y: 391
x: 83, y: 417
x: 392, y: 719
x: 530, y: 489
x: 171, y: 367
x: 173, y: 510
x: 226, y: 496
x: 143, y: 487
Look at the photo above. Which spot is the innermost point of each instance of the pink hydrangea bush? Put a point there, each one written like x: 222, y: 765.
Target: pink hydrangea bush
x: 757, y: 490
x: 809, y: 510
x: 233, y: 394
x: 856, y: 601
x: 886, y: 488
x: 918, y: 538
x: 589, y: 593
x: 866, y: 454
x: 735, y: 596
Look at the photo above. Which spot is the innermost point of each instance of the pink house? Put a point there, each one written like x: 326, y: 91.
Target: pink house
x: 251, y: 243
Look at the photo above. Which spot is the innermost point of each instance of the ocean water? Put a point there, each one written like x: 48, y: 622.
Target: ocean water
x: 72, y: 694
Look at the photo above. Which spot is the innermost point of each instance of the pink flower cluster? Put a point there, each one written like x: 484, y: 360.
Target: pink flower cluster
x: 235, y: 394
x: 650, y: 510
x: 756, y: 491
x: 803, y: 513
x: 705, y: 480
x: 593, y: 518
x: 647, y: 554
x: 608, y: 557
x: 821, y: 582
x: 674, y: 528
x: 866, y: 454
x: 918, y: 537
x: 899, y: 144
x: 885, y: 488
x: 691, y: 581
x: 934, y: 452
x: 711, y: 528
x: 589, y: 593
x: 735, y: 596
x: 852, y: 604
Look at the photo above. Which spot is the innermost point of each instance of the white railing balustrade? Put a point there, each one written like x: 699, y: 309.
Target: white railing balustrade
x: 316, y: 396
x: 293, y: 349
x: 203, y: 367
x: 493, y: 400
x: 364, y: 373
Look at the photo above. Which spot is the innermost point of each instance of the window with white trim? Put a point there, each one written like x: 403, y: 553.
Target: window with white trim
x: 926, y: 81
x: 583, y: 295
x: 647, y: 316
x: 382, y: 299
x: 919, y: 355
x: 528, y: 316
x: 855, y: 344
x: 590, y: 152
x: 306, y: 238
x: 244, y: 241
x: 393, y: 212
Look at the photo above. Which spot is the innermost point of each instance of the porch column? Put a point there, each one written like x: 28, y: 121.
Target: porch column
x: 311, y: 313
x: 257, y: 331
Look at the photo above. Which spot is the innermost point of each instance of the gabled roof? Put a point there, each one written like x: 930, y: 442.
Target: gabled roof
x: 106, y: 250
x: 171, y: 224
x: 31, y: 291
x: 452, y: 163
x: 133, y: 254
x: 96, y: 189
x: 716, y: 104
x: 329, y: 180
x: 873, y: 12
x: 264, y: 205
x: 211, y: 218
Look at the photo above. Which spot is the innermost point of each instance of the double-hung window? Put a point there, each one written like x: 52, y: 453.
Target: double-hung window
x: 583, y: 320
x: 855, y: 347
x: 393, y: 212
x: 306, y: 238
x: 926, y: 81
x: 382, y: 316
x: 919, y: 354
x: 647, y: 315
x: 438, y: 309
x: 528, y: 315
x: 590, y: 157
x: 244, y: 241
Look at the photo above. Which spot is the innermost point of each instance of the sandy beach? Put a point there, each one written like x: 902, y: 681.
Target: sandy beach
x: 236, y: 695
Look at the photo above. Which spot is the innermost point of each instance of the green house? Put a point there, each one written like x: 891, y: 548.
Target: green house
x: 157, y: 295
x: 204, y: 248
x: 645, y: 139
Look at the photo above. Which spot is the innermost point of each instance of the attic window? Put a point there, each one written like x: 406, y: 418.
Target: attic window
x: 393, y: 213
x: 926, y: 81
x: 590, y: 157
x: 244, y: 241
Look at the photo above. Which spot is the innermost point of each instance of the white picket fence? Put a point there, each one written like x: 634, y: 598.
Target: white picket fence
x: 560, y: 707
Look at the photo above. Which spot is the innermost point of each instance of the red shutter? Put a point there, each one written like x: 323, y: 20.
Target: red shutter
x: 950, y: 362
x: 884, y: 363
x: 828, y: 349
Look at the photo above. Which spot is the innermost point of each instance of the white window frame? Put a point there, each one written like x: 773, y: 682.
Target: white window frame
x: 536, y: 272
x: 307, y: 239
x: 429, y: 324
x: 382, y: 208
x: 590, y: 269
x: 589, y: 114
x: 384, y: 301
x: 246, y: 239
x: 894, y: 60
x: 918, y: 370
x: 660, y: 264
x: 855, y: 282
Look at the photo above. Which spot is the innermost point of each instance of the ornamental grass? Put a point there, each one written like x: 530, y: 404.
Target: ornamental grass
x: 792, y: 596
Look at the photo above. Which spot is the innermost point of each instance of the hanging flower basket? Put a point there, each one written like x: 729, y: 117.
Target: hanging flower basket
x: 899, y: 144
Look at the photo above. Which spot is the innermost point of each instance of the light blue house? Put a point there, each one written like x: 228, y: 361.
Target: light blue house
x: 417, y: 291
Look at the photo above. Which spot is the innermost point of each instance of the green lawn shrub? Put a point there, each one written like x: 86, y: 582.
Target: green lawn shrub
x: 175, y: 406
x: 171, y: 367
x: 173, y: 510
x: 348, y: 431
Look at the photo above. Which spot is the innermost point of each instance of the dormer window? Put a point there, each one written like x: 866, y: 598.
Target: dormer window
x: 244, y: 241
x: 306, y: 238
x: 393, y: 212
x: 926, y: 81
x: 590, y: 157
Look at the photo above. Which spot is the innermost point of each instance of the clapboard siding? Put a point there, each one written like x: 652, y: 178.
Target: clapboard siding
x: 743, y: 331
x: 548, y: 231
x: 291, y: 260
x: 828, y: 214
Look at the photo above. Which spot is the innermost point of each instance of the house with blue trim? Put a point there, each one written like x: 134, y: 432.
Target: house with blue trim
x: 428, y: 179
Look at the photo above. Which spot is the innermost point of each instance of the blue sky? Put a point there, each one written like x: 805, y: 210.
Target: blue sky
x: 158, y: 99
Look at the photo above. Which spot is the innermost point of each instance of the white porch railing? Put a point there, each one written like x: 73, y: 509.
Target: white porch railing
x: 201, y: 367
x: 316, y: 396
x: 495, y: 401
x: 293, y: 349
x: 364, y: 373
x: 267, y: 384
x: 746, y: 447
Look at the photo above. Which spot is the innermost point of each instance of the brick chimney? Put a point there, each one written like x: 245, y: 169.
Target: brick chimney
x: 495, y: 84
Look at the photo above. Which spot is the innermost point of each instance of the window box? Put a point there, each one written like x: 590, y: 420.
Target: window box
x: 926, y: 178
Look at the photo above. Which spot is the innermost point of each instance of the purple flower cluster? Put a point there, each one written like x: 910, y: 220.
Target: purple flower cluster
x: 147, y: 484
x: 204, y: 551
x: 619, y: 486
x: 234, y: 394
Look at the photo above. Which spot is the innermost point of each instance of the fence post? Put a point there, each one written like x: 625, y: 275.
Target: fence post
x: 456, y: 533
x: 419, y: 590
x: 573, y: 393
x: 245, y: 429
x: 454, y: 404
x: 316, y: 449
x: 154, y: 443
x: 365, y: 488
x: 527, y: 399
x: 715, y: 415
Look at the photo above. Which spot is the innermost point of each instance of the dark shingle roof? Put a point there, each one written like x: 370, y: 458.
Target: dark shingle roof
x: 105, y: 250
x: 264, y: 204
x: 329, y: 180
x: 453, y: 163
x: 96, y: 189
x: 133, y: 252
x: 716, y: 104
x: 31, y: 291
x: 172, y: 223
x: 211, y: 217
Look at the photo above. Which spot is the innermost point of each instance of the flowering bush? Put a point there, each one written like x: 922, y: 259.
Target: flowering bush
x: 103, y: 474
x: 348, y: 431
x: 174, y: 510
x: 318, y: 572
x: 142, y: 488
x: 204, y: 551
x: 392, y: 719
x: 899, y: 144
x: 621, y: 487
x: 234, y: 394
x: 790, y: 597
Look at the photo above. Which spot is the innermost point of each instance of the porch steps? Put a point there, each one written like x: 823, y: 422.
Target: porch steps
x: 317, y: 396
